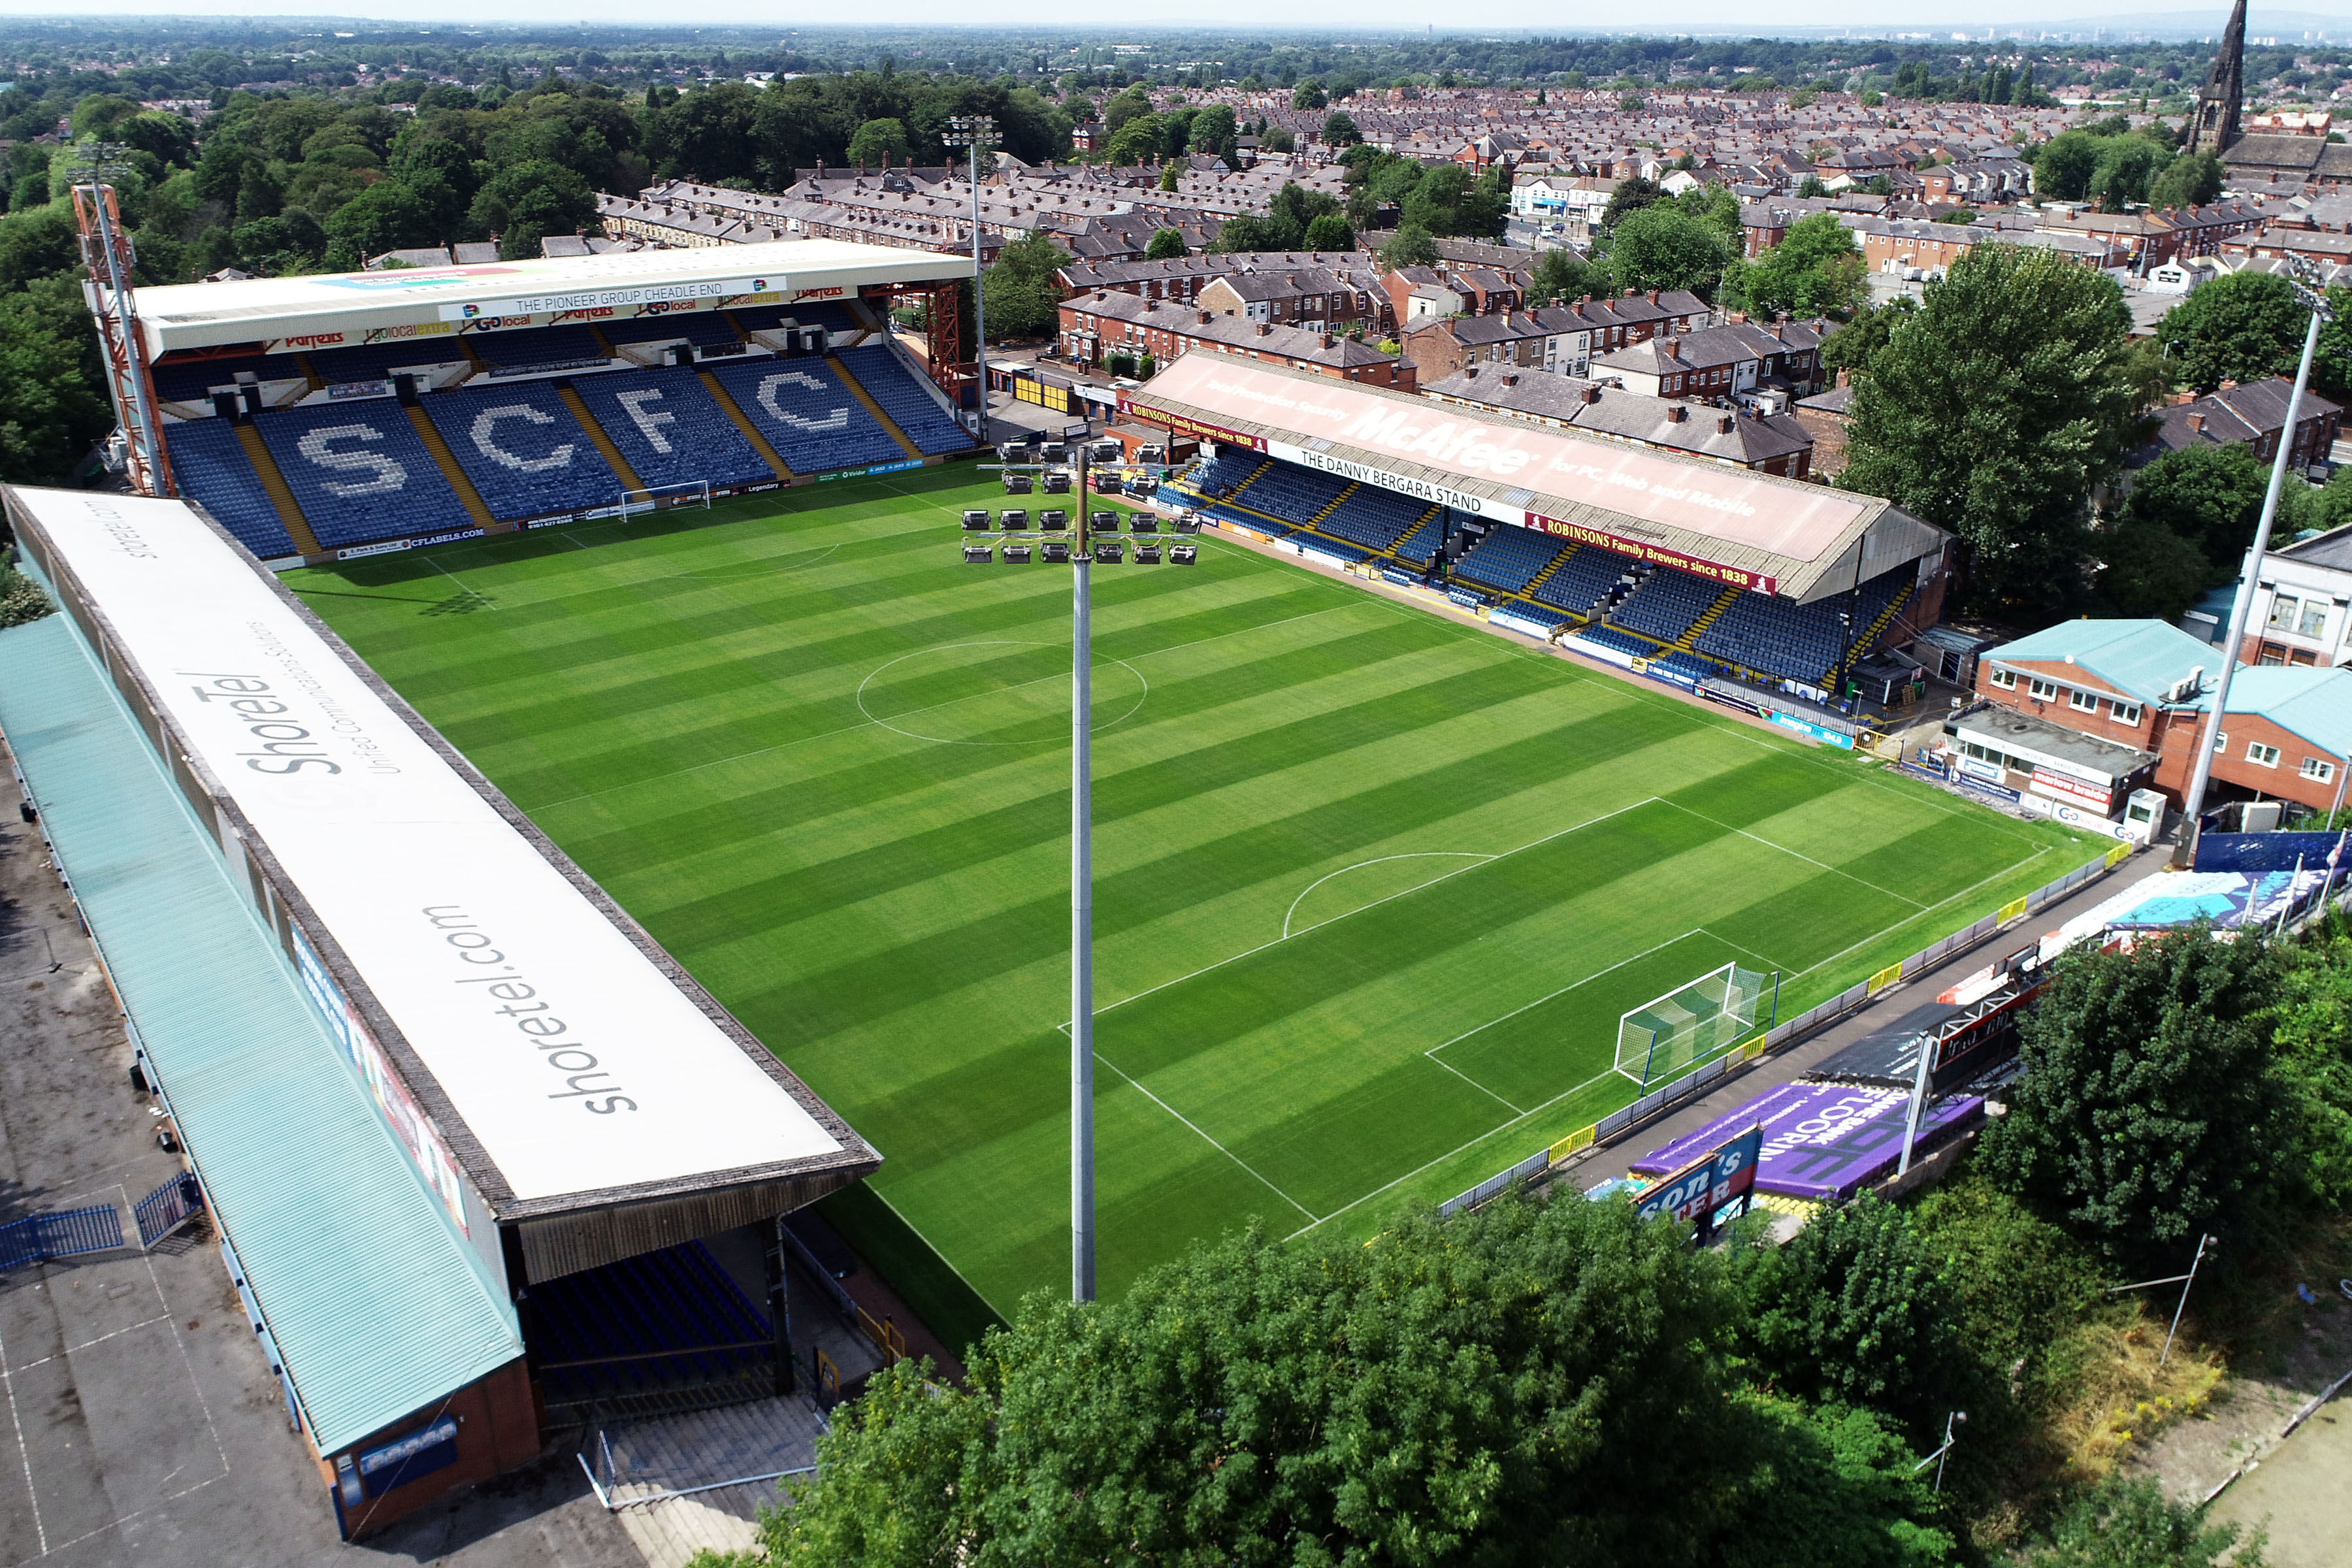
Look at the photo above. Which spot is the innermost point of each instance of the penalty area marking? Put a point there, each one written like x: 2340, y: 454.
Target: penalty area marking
x: 991, y: 642
x: 1376, y: 860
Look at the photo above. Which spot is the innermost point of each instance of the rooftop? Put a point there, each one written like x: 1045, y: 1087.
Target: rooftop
x: 2143, y: 659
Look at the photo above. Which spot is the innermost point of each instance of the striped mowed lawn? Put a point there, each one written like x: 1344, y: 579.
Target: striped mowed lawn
x: 1373, y: 885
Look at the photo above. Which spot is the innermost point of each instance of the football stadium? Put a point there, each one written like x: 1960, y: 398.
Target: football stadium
x: 603, y: 632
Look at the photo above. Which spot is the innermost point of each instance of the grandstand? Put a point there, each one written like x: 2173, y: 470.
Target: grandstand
x: 315, y: 417
x: 1691, y: 569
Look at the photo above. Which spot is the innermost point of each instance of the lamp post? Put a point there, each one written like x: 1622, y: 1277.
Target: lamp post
x: 977, y: 132
x: 2192, y: 800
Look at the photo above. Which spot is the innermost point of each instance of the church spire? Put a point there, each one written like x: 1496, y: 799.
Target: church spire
x: 2219, y: 106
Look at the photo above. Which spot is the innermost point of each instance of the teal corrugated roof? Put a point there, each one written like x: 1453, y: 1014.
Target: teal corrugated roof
x: 2142, y: 659
x: 367, y: 1287
x: 2315, y: 704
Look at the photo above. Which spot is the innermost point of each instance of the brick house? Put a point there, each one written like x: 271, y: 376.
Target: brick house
x: 2140, y: 688
x: 1775, y: 445
x: 1108, y: 321
x: 2251, y: 416
x: 1716, y: 361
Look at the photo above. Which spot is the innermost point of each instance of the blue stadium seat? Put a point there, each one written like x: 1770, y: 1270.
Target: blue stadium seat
x: 643, y: 1324
x: 360, y: 472
x: 522, y: 448
x: 910, y: 406
x: 806, y: 414
x: 1584, y: 578
x: 1801, y: 642
x: 1509, y: 557
x: 374, y: 361
x: 703, y: 329
x: 1373, y: 517
x: 187, y: 381
x: 670, y: 430
x: 1421, y: 544
x: 1293, y: 494
x: 536, y: 346
x: 1665, y: 604
x: 209, y: 466
x: 831, y: 314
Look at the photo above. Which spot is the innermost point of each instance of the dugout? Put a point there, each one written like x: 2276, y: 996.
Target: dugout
x: 483, y: 1105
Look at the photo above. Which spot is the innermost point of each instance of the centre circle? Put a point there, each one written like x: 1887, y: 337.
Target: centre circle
x: 995, y: 692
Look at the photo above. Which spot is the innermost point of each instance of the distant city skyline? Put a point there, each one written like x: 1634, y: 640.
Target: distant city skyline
x: 1359, y: 16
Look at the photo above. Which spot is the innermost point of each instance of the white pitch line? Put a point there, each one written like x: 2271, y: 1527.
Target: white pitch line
x: 1431, y: 1056
x: 24, y: 1454
x: 148, y: 1323
x: 1507, y: 1018
x: 1376, y: 860
x: 1833, y: 870
x: 1213, y: 1143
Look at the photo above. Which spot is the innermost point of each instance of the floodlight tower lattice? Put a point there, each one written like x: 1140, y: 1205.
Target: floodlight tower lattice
x: 977, y: 133
x: 108, y: 259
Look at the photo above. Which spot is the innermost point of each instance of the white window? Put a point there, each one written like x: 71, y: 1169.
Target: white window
x: 2317, y: 770
x: 2262, y: 755
x: 2005, y: 679
x: 2045, y: 690
x: 2315, y: 618
x: 2220, y: 741
x: 2083, y: 701
x: 2283, y: 612
x: 2126, y: 712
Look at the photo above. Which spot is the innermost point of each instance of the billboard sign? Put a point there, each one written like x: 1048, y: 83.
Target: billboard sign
x: 1821, y: 1140
x: 1711, y: 1188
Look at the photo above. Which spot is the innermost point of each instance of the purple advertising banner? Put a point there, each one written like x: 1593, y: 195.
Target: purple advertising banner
x: 1821, y: 1140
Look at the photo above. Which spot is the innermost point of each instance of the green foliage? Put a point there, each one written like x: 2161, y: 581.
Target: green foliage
x: 1137, y: 141
x: 1850, y: 348
x: 1563, y: 277
x: 1829, y: 1488
x: 1167, y: 245
x: 1331, y: 231
x: 1995, y: 411
x: 1663, y: 246
x: 2209, y: 496
x: 879, y: 142
x: 2193, y: 180
x: 1410, y: 246
x: 1019, y: 291
x: 1286, y: 223
x: 1171, y: 177
x: 52, y: 405
x: 2314, y: 1023
x: 1339, y: 130
x: 2063, y: 165
x: 1811, y: 187
x: 2145, y: 1113
x: 528, y: 201
x: 2015, y: 1281
x: 2147, y: 569
x: 1213, y: 129
x: 1308, y: 95
x: 2240, y: 327
x: 1856, y: 1309
x: 2121, y: 1523
x: 1816, y: 269
x: 1630, y: 196
x: 21, y: 598
x: 2126, y: 168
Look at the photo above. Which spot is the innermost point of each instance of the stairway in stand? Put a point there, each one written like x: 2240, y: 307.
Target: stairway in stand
x: 889, y: 426
x: 727, y: 406
x: 280, y: 494
x: 446, y: 461
x: 596, y: 436
x: 671, y: 1453
x: 1723, y: 602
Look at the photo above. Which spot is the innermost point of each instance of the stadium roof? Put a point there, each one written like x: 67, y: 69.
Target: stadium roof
x: 520, y: 293
x: 563, y: 1060
x: 365, y: 1286
x: 1745, y: 529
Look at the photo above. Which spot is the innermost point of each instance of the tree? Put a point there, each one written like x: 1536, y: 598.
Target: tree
x: 51, y: 409
x: 1850, y: 348
x: 1278, y: 140
x: 1411, y: 246
x: 2126, y: 166
x: 878, y: 143
x: 1167, y: 245
x: 1630, y: 196
x: 2211, y: 496
x: 1829, y: 1488
x: 530, y: 200
x: 1661, y: 247
x: 2315, y: 1055
x: 1118, y: 111
x: 1339, y: 130
x: 1996, y: 410
x: 2145, y: 1113
x: 2130, y: 1523
x: 1811, y: 187
x: 1137, y: 141
x: 2191, y: 180
x: 1494, y: 1390
x: 1019, y: 291
x: 1213, y: 129
x: 1329, y: 231
x: 2063, y: 166
x: 1435, y: 203
x: 1857, y: 1310
x: 1816, y: 269
x: 387, y: 215
x: 1171, y: 175
x: 2146, y: 569
x: 1563, y: 277
x: 1308, y: 95
x: 2241, y: 327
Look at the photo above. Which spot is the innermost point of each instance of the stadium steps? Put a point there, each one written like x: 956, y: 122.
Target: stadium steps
x: 309, y: 373
x: 1723, y: 602
x: 760, y: 444
x: 1529, y: 593
x: 1336, y: 502
x: 603, y: 342
x: 480, y: 365
x: 446, y: 461
x: 1256, y: 474
x: 280, y: 494
x: 1886, y: 616
x: 889, y: 426
x: 596, y: 436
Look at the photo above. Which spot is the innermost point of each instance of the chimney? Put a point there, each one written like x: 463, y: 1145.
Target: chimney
x: 1591, y: 394
x: 1677, y: 414
x: 2227, y: 387
x: 1208, y: 316
x: 1470, y: 372
x: 1264, y: 330
x: 1723, y: 424
x: 2197, y: 424
x: 1327, y: 340
x: 1653, y: 296
x: 1845, y: 377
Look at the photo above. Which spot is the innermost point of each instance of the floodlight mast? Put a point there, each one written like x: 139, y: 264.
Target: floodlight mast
x: 976, y: 131
x: 1081, y: 906
x: 2192, y: 800
x: 106, y: 256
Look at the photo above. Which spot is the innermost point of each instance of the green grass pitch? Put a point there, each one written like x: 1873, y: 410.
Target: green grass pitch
x: 1373, y: 885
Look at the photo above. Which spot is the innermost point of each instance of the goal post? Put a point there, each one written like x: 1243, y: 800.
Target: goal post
x: 1689, y: 1023
x: 685, y: 493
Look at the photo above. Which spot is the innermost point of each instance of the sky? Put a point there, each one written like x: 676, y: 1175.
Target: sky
x: 1469, y: 15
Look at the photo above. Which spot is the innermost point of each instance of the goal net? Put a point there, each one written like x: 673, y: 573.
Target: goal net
x: 688, y: 492
x: 1687, y: 1026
